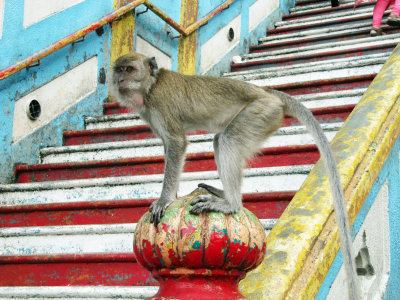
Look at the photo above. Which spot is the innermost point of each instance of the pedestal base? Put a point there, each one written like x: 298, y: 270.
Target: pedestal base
x: 201, y: 284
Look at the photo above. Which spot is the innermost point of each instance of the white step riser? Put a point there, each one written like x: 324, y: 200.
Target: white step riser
x: 326, y: 31
x: 334, y: 15
x: 119, y: 150
x: 118, y: 120
x: 322, y: 48
x: 77, y: 292
x: 306, y: 68
x: 78, y: 239
x: 311, y: 7
x: 328, y: 100
x: 323, y: 75
x: 258, y: 180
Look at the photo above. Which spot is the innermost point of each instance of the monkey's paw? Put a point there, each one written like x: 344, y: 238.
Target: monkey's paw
x: 157, y: 210
x: 205, y: 203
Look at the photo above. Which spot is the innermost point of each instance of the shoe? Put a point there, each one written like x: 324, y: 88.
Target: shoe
x: 334, y: 3
x: 393, y: 20
x: 375, y: 31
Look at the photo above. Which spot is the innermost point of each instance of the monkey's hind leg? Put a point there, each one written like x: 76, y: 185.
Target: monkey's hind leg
x: 238, y: 142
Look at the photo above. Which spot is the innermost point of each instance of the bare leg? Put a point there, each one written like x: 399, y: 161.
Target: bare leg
x: 174, y: 160
x: 238, y: 142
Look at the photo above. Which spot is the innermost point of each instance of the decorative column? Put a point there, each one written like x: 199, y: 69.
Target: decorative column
x: 199, y: 257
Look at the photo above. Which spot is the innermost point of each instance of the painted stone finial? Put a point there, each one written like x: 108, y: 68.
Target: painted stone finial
x: 199, y: 257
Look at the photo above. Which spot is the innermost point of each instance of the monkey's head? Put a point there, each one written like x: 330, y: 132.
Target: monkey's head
x: 132, y: 77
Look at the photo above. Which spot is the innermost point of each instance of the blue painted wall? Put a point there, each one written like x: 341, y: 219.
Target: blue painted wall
x: 17, y: 43
x: 247, y: 38
x: 389, y: 173
x: 154, y: 30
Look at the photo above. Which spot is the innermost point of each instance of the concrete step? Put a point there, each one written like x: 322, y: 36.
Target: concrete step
x: 308, y: 68
x: 295, y: 135
x: 269, y: 157
x: 324, y: 9
x: 328, y: 14
x: 107, y: 135
x: 278, y: 179
x: 319, y: 37
x: 113, y: 121
x: 79, y: 255
x: 76, y: 292
x: 269, y: 205
x: 144, y: 132
x: 310, y: 87
x: 316, y: 50
x: 319, y: 32
x: 365, y: 15
x: 310, y: 5
x: 352, y: 69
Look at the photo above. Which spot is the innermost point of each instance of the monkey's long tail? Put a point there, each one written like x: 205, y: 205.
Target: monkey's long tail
x: 298, y: 110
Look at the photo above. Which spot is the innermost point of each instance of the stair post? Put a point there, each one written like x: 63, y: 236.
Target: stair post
x: 199, y: 257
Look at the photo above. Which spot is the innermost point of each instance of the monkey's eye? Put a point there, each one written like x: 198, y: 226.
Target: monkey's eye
x: 119, y: 69
x: 129, y: 69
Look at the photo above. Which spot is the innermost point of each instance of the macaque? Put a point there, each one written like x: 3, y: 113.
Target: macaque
x: 241, y: 114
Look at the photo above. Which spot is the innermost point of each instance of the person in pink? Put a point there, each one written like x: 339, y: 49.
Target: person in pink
x: 379, y: 10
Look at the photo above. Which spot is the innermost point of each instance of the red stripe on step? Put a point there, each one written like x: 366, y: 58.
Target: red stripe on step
x: 327, y: 85
x: 324, y: 10
x: 358, y: 50
x: 119, y: 269
x: 264, y: 205
x: 327, y: 22
x: 276, y: 156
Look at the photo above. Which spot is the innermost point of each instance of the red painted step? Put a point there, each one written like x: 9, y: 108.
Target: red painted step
x: 114, y: 108
x: 326, y: 23
x: 83, y: 137
x: 322, y: 11
x: 328, y: 85
x: 305, y: 58
x: 264, y: 205
x: 280, y: 156
x: 307, y: 41
x: 119, y: 269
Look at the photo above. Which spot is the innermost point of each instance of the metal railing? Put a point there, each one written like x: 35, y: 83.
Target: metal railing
x: 116, y: 14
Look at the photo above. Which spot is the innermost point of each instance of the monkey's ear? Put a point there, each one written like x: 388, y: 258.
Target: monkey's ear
x: 153, y: 66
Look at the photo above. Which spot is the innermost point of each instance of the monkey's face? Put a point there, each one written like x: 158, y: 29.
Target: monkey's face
x: 128, y: 76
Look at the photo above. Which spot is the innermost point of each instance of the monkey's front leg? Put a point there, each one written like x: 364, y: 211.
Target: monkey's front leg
x: 174, y: 158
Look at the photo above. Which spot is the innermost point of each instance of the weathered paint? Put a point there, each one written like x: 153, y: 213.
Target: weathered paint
x: 122, y: 32
x: 55, y: 98
x: 247, y: 37
x: 66, y: 41
x: 33, y: 39
x: 79, y: 292
x: 362, y: 144
x: 187, y: 47
x: 37, y: 10
x: 385, y: 186
x: 209, y: 252
x: 1, y: 17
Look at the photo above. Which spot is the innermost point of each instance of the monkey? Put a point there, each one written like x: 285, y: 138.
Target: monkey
x: 241, y: 114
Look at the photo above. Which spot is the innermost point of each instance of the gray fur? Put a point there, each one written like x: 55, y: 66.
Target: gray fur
x: 241, y: 114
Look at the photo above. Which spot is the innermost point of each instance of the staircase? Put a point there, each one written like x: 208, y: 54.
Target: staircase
x: 67, y: 223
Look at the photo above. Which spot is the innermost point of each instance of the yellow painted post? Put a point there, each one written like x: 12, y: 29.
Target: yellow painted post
x: 122, y: 32
x: 187, y: 45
